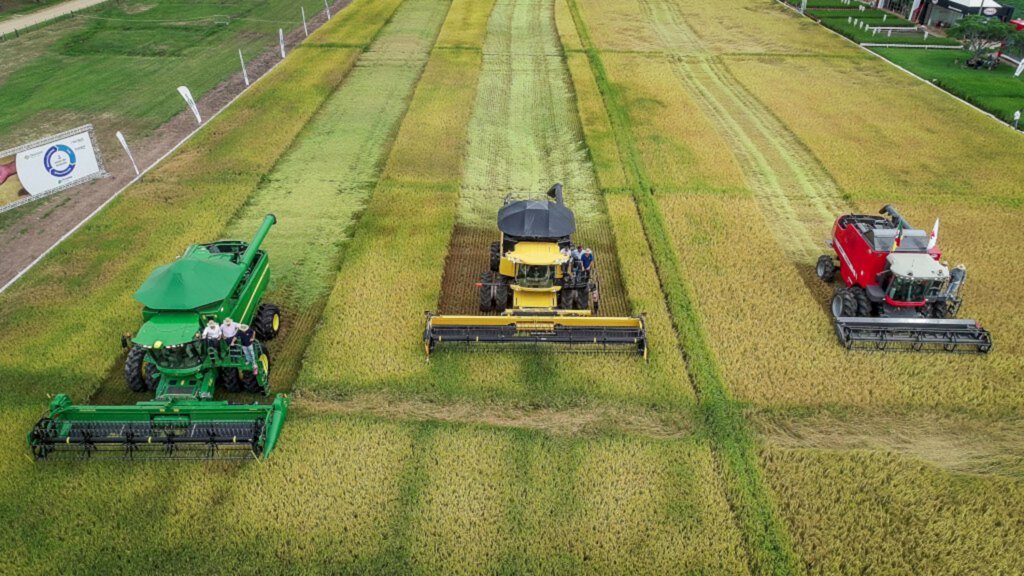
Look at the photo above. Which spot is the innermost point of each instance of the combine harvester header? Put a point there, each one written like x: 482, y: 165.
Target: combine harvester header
x: 209, y: 282
x: 537, y: 298
x: 896, y: 293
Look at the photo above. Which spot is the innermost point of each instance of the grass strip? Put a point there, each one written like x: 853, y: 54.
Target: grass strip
x: 763, y: 532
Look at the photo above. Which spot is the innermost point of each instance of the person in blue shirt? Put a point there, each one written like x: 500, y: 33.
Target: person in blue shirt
x: 246, y: 335
x: 587, y: 259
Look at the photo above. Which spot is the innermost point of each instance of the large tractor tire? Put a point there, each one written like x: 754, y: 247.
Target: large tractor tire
x: 566, y: 298
x: 826, y: 269
x: 583, y: 298
x: 495, y: 256
x: 230, y: 380
x: 267, y: 322
x: 844, y: 304
x: 139, y: 375
x: 486, y: 292
x: 863, y: 304
x: 250, y: 382
x: 502, y: 295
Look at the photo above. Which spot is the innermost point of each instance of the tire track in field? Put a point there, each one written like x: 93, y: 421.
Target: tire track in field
x: 799, y: 197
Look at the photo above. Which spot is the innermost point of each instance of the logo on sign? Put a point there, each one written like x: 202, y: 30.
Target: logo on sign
x: 59, y: 160
x: 991, y: 11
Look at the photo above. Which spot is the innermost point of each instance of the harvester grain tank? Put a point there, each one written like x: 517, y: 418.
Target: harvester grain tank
x: 216, y: 281
x: 529, y: 292
x: 895, y: 291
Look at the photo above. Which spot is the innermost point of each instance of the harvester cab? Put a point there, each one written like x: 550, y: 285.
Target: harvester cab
x: 540, y: 292
x: 209, y: 282
x: 896, y: 293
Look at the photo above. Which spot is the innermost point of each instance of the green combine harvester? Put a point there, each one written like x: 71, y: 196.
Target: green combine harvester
x: 225, y: 279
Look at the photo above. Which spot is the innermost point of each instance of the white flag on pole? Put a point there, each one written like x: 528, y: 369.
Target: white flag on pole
x: 934, y: 238
x: 184, y: 91
x: 1020, y: 68
x: 803, y: 6
x: 913, y: 9
x: 124, y: 144
x: 280, y: 38
x: 328, y: 8
x: 304, y: 27
x: 245, y: 75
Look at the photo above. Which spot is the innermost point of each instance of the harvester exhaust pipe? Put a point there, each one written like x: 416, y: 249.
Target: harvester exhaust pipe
x: 254, y: 246
x: 555, y: 193
x: 897, y: 220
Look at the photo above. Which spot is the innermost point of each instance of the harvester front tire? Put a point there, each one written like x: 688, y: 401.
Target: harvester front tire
x: 501, y: 296
x: 843, y: 303
x: 826, y: 269
x: 137, y: 373
x: 863, y: 304
x: 486, y: 295
x: 230, y: 380
x: 495, y: 256
x: 267, y: 322
x: 583, y: 298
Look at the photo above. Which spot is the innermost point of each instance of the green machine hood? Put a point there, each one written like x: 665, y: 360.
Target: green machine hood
x: 168, y: 329
x: 188, y: 284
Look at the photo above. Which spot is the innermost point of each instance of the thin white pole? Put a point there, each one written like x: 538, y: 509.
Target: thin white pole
x: 245, y: 75
x: 280, y: 38
x: 328, y: 8
x: 124, y: 144
x: 304, y: 27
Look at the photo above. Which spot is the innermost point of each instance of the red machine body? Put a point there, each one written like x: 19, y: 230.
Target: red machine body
x: 895, y: 289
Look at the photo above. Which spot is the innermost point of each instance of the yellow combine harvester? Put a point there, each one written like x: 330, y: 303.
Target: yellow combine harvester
x: 543, y: 294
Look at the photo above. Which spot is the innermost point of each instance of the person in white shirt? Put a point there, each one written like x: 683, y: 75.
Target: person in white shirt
x: 212, y: 335
x: 228, y: 330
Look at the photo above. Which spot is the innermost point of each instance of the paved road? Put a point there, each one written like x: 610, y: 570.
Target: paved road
x: 32, y: 18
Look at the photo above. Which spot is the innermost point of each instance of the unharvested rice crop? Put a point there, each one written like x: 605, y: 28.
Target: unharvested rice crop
x: 859, y: 511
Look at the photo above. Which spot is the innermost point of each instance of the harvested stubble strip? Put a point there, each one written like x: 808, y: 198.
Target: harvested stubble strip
x: 82, y: 291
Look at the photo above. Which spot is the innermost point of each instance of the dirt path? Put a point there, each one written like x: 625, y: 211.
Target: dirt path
x: 30, y: 231
x: 40, y: 16
x: 796, y: 193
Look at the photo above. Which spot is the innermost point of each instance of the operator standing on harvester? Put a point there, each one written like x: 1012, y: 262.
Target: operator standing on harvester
x: 209, y: 286
x: 895, y: 291
x: 542, y: 286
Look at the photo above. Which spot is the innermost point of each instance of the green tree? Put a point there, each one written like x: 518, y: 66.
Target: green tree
x: 980, y: 35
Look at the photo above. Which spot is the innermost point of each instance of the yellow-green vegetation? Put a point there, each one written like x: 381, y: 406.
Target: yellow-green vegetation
x: 469, y: 25
x: 856, y: 133
x: 858, y: 511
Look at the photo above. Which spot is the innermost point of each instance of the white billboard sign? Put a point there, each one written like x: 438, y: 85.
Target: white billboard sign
x: 58, y: 163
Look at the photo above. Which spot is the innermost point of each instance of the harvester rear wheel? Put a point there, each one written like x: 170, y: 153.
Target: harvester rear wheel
x: 843, y: 303
x: 826, y: 269
x: 495, y: 256
x: 138, y: 374
x: 229, y: 380
x: 267, y: 322
x: 486, y: 295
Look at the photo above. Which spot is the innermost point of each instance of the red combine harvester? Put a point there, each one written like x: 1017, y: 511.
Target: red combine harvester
x: 896, y: 293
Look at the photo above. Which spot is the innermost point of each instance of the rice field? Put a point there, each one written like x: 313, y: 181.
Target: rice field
x: 706, y: 149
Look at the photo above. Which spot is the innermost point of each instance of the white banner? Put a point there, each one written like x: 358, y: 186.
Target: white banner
x: 1020, y: 68
x: 58, y: 164
x: 187, y: 95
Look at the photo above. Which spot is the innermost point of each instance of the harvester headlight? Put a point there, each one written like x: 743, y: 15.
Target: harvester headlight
x: 158, y: 345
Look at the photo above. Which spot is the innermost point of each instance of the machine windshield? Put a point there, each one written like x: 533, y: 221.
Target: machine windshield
x: 178, y: 357
x: 911, y: 290
x: 535, y: 276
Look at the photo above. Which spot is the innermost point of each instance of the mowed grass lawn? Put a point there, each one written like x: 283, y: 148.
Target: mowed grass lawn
x: 118, y: 65
x: 996, y: 91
